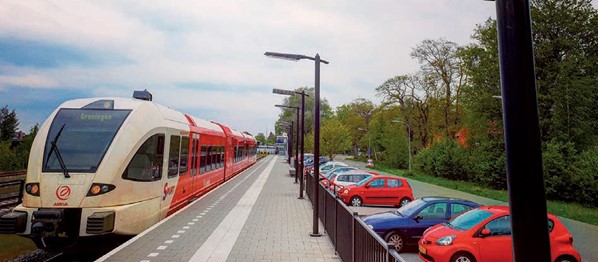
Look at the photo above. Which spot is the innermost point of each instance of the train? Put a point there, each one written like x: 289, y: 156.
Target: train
x: 109, y: 168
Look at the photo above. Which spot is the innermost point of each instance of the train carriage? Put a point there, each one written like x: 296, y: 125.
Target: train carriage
x: 116, y: 166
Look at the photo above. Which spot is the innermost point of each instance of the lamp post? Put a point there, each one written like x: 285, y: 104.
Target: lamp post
x: 317, y: 61
x: 369, y: 142
x: 408, y: 139
x: 525, y: 181
x: 299, y: 136
x: 301, y: 164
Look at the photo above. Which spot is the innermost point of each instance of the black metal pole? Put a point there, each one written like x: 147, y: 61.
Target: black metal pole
x: 297, y: 146
x: 522, y: 132
x: 316, y: 207
x: 290, y: 143
x: 302, y: 163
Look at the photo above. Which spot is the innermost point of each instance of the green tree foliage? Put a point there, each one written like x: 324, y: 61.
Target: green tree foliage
x: 271, y: 139
x: 444, y: 159
x: 261, y: 138
x: 335, y: 138
x: 8, y: 124
x: 357, y: 115
x: 295, y: 100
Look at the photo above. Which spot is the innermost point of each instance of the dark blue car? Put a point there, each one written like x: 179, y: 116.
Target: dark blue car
x: 406, y: 225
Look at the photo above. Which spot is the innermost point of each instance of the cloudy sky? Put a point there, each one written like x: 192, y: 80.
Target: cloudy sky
x: 206, y: 58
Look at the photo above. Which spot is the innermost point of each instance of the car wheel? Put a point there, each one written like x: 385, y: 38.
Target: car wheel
x: 396, y: 239
x: 404, y: 201
x: 356, y: 201
x: 462, y: 257
x: 565, y: 259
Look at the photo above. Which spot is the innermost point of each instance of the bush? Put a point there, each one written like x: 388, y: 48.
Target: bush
x: 570, y: 176
x: 488, y: 164
x: 444, y: 159
x: 8, y: 158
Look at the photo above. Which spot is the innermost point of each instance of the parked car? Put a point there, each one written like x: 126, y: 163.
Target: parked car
x: 348, y: 178
x: 406, y: 225
x: 330, y: 165
x: 332, y: 173
x: 484, y: 234
x: 378, y: 190
x: 309, y: 164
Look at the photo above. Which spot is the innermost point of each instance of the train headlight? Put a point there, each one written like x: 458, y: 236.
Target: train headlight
x: 32, y: 189
x: 99, y: 189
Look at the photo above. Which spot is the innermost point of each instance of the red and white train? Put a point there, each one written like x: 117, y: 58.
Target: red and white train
x: 110, y: 167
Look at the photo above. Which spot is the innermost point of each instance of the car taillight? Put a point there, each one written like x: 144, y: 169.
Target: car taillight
x: 571, y: 240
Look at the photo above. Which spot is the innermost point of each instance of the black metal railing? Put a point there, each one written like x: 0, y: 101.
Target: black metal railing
x: 353, y: 240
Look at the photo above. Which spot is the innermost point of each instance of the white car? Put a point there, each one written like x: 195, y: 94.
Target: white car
x: 329, y: 166
x: 349, y: 178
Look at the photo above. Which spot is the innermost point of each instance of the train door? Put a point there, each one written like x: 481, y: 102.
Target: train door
x: 195, y: 163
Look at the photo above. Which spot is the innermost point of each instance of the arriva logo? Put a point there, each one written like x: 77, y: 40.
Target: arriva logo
x: 168, y: 190
x: 63, y: 192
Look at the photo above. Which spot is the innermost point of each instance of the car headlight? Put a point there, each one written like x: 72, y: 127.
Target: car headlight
x: 346, y: 191
x: 445, y: 241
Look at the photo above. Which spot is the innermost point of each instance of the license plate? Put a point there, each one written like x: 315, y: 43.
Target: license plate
x: 422, y: 250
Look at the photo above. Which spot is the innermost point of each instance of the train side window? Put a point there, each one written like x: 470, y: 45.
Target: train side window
x: 146, y: 164
x: 194, y: 153
x: 209, y: 159
x: 174, y: 156
x: 202, y: 160
x: 184, y: 155
x: 222, y: 156
x: 214, y: 155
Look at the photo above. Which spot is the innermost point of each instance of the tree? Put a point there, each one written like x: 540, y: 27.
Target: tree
x: 355, y: 115
x: 261, y: 138
x: 8, y: 124
x: 271, y: 139
x: 295, y: 100
x: 335, y: 138
x: 440, y: 60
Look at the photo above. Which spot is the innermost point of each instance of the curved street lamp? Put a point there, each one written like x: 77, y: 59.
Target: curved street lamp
x: 318, y: 60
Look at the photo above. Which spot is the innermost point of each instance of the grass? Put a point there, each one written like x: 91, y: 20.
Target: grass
x: 13, y: 246
x: 573, y: 211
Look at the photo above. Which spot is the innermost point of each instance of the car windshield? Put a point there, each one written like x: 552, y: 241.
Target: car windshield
x: 411, y: 208
x: 468, y: 219
x: 364, y: 181
x: 82, y: 137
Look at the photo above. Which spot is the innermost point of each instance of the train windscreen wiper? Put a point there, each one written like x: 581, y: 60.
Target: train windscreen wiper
x: 58, y: 155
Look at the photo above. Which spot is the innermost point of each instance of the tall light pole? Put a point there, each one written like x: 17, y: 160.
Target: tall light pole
x: 408, y: 139
x: 369, y: 142
x: 301, y: 163
x: 525, y: 181
x: 317, y: 61
x: 299, y: 136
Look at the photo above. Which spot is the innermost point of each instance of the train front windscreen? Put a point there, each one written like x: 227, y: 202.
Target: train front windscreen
x: 79, y: 138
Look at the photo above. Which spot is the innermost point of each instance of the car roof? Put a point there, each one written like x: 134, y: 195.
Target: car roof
x: 496, y: 209
x: 436, y: 198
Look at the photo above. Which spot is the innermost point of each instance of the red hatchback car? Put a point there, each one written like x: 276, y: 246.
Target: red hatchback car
x: 378, y: 190
x: 484, y: 234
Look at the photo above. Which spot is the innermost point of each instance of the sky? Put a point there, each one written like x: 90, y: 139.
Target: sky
x: 206, y: 58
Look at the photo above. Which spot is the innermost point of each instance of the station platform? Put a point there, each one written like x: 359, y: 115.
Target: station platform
x: 256, y: 216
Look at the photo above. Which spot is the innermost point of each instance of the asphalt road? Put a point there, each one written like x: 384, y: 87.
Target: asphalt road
x: 585, y: 236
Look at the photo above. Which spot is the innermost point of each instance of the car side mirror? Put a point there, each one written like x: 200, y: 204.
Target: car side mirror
x: 418, y: 218
x: 485, y: 232
x: 367, y: 186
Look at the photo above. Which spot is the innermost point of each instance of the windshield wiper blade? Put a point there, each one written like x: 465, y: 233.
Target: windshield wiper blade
x: 54, y: 148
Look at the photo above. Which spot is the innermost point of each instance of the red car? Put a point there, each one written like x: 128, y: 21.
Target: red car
x: 378, y: 190
x: 484, y: 234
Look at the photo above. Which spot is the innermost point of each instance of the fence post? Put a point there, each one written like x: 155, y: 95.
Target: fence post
x: 355, y: 214
x: 389, y: 247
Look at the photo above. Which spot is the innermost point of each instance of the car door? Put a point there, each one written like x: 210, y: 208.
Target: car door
x: 432, y: 214
x: 498, y: 246
x: 396, y: 190
x: 374, y: 192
